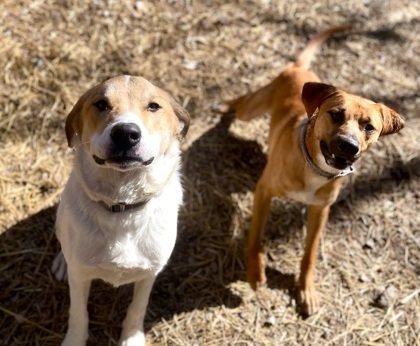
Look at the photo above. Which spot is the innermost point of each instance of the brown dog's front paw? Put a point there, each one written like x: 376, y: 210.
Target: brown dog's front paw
x: 256, y: 271
x: 308, y: 300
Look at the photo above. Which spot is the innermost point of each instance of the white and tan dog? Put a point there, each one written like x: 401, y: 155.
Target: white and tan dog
x: 117, y: 219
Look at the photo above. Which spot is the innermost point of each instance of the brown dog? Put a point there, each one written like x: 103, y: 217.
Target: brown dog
x: 316, y: 134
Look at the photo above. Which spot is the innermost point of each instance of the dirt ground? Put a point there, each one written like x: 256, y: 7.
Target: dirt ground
x: 201, y: 52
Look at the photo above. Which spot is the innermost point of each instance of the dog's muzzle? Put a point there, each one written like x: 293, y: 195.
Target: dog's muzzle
x: 341, y: 152
x: 125, y: 140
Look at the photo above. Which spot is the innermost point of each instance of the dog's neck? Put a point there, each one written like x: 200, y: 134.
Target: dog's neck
x: 306, y: 134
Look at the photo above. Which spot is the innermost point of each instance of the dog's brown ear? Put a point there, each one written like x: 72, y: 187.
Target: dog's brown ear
x: 183, y: 116
x: 313, y: 94
x: 74, y: 122
x: 391, y: 120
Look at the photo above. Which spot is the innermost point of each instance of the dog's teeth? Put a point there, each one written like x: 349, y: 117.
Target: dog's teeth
x: 333, y: 156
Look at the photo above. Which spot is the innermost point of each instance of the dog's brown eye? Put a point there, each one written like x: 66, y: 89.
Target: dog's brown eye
x: 102, y: 105
x: 337, y: 115
x: 153, y: 107
x: 369, y: 128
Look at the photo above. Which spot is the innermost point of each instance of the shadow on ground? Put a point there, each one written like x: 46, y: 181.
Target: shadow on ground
x: 208, y: 255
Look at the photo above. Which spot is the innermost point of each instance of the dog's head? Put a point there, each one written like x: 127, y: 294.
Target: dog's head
x: 346, y: 125
x: 125, y: 122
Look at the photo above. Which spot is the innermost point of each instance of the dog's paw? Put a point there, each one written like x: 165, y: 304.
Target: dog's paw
x: 135, y: 339
x: 256, y: 271
x: 308, y: 300
x: 256, y: 279
x: 75, y: 339
x: 59, y: 267
x: 72, y: 342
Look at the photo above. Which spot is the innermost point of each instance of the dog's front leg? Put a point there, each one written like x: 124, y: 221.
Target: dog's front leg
x: 256, y: 263
x: 77, y: 332
x: 133, y: 329
x: 307, y: 296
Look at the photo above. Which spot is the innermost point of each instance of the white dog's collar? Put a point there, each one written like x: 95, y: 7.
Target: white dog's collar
x: 309, y: 160
x: 119, y: 207
x: 116, y: 207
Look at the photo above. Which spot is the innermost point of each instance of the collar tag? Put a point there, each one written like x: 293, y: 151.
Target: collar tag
x: 117, y: 208
x: 347, y: 171
x: 120, y: 207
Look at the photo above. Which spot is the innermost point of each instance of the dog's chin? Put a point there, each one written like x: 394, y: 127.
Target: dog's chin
x: 123, y: 163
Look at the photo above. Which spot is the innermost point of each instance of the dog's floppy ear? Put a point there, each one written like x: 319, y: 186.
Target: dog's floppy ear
x: 391, y: 120
x: 313, y: 94
x: 183, y: 117
x: 74, y: 122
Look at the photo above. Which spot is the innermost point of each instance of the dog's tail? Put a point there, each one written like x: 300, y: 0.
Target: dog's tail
x: 305, y: 57
x: 262, y: 101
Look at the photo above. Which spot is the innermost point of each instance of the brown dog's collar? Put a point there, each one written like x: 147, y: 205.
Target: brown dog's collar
x: 309, y: 160
x: 119, y: 207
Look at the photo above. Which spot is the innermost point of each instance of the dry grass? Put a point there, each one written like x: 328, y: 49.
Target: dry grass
x: 202, y: 51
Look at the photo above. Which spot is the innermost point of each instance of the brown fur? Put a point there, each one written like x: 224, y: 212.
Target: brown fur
x: 292, y: 97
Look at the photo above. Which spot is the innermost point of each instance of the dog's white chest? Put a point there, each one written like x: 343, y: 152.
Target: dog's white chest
x: 117, y: 247
x: 304, y: 196
x: 129, y: 258
x: 142, y: 248
x: 308, y: 194
x: 127, y: 252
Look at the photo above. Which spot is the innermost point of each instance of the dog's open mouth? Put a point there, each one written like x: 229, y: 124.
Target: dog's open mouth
x: 333, y: 160
x: 123, y: 161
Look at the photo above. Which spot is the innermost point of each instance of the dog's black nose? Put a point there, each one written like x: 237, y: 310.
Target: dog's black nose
x: 125, y: 135
x: 348, y: 147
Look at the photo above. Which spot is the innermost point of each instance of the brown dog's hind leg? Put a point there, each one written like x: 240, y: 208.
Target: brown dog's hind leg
x: 256, y: 264
x: 249, y: 106
x: 307, y: 295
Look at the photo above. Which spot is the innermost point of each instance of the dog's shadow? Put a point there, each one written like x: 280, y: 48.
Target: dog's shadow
x: 208, y: 256
x: 209, y: 253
